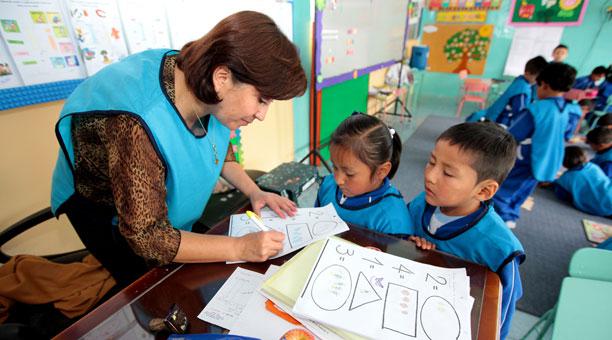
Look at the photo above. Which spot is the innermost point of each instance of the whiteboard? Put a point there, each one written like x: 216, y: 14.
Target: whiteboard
x: 530, y: 42
x: 358, y: 36
x: 191, y: 19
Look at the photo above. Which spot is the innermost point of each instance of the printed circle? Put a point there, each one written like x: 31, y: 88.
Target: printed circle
x: 437, y: 311
x: 331, y: 288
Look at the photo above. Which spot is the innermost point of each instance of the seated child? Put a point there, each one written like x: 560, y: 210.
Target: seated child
x: 577, y: 112
x: 593, y: 80
x: 540, y: 131
x: 584, y: 184
x: 518, y: 95
x: 365, y: 154
x: 600, y: 140
x: 605, y: 121
x: 455, y: 213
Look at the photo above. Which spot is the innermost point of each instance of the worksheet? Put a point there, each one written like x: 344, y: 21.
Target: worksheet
x: 382, y: 296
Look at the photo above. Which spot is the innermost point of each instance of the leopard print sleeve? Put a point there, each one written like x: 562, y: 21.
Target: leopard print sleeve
x: 138, y: 184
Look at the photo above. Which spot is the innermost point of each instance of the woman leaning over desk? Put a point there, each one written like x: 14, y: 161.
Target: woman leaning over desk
x: 144, y: 141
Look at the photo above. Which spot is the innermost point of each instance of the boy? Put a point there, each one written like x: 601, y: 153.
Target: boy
x: 455, y: 214
x: 540, y: 131
x: 600, y: 140
x: 592, y: 81
x: 560, y: 53
x: 518, y: 95
x: 584, y: 184
x: 577, y: 113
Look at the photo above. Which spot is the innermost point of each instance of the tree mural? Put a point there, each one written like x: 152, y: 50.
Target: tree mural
x: 466, y: 45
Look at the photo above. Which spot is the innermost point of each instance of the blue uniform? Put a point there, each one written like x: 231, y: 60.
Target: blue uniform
x: 604, y: 160
x: 584, y: 83
x: 605, y: 91
x: 540, y: 131
x: 382, y: 210
x: 190, y: 172
x: 590, y: 189
x: 481, y: 237
x: 575, y: 113
x: 516, y: 97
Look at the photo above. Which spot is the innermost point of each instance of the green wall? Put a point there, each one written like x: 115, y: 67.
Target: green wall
x: 338, y: 102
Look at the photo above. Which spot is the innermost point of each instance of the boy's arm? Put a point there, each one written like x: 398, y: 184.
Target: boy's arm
x: 512, y: 291
x: 518, y: 103
x: 523, y: 127
x: 571, y: 127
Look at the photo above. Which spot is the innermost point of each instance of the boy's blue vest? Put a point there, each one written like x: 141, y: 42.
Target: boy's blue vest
x: 550, y: 118
x: 485, y: 240
x: 590, y: 188
x: 519, y: 86
x: 387, y: 214
x: 133, y: 86
x: 604, y: 157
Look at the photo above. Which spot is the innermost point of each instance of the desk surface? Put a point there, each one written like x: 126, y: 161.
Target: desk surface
x: 192, y: 285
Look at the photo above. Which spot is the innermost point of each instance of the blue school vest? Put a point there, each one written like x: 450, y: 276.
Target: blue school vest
x: 519, y: 86
x: 550, y: 118
x: 133, y: 86
x: 387, y: 213
x: 601, y: 158
x: 590, y: 188
x: 485, y: 239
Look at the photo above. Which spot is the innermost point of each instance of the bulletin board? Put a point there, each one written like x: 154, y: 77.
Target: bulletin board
x: 452, y: 5
x: 547, y: 13
x: 357, y: 37
x: 453, y: 48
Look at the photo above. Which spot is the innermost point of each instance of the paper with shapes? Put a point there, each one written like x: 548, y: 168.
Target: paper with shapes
x: 97, y: 27
x: 307, y: 226
x: 231, y: 299
x: 37, y: 37
x: 382, y: 296
x: 145, y: 24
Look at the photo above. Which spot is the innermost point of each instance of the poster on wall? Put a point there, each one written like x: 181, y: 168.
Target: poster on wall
x: 446, y: 5
x: 9, y: 77
x: 145, y: 24
x: 37, y: 38
x: 461, y: 16
x: 97, y: 26
x: 530, y: 42
x: 547, y: 12
x: 454, y: 48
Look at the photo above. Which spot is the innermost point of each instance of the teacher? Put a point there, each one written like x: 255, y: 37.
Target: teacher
x: 144, y: 140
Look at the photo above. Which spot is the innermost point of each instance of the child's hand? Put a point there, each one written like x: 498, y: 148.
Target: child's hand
x: 422, y: 243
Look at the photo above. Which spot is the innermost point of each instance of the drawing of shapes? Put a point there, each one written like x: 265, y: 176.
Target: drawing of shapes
x: 268, y: 214
x: 10, y: 26
x: 364, y: 293
x: 438, y: 311
x: 332, y: 287
x: 38, y: 17
x: 323, y: 227
x: 298, y: 234
x: 315, y: 213
x: 400, y: 313
x: 58, y: 62
x: 241, y: 231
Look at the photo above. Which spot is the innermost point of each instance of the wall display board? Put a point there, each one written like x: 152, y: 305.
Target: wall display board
x: 38, y: 39
x: 445, y: 5
x: 8, y: 71
x: 351, y: 39
x: 529, y: 42
x: 145, y: 25
x: 461, y: 16
x: 547, y: 12
x: 454, y: 48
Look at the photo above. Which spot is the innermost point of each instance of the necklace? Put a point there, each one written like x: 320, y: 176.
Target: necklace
x: 212, y: 144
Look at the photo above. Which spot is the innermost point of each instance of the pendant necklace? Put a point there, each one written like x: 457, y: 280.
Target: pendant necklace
x: 214, y: 147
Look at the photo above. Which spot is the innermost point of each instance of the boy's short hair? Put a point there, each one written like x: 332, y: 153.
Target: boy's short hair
x: 605, y: 120
x: 560, y: 46
x: 536, y: 65
x: 599, y: 135
x: 587, y: 102
x: 574, y: 156
x: 559, y: 76
x: 600, y: 70
x: 491, y: 146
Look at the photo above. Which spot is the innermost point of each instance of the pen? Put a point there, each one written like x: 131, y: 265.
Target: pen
x: 255, y: 218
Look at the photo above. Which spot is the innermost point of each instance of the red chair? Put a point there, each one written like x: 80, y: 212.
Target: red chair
x: 474, y: 90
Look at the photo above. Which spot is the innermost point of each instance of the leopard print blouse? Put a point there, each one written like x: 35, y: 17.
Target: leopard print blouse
x: 117, y: 166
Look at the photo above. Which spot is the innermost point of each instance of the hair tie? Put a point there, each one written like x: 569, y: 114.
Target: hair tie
x: 392, y: 131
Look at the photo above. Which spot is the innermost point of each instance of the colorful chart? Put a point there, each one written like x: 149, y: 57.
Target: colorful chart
x: 446, y: 5
x: 548, y: 12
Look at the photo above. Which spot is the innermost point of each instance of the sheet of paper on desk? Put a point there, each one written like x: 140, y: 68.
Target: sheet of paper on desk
x: 307, y: 226
x: 382, y: 296
x: 227, y: 305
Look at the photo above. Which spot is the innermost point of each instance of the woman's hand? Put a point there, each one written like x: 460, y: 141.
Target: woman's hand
x: 422, y: 243
x: 260, y: 246
x: 280, y: 205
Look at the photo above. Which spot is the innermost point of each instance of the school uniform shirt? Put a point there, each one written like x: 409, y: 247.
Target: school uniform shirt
x: 605, y: 91
x: 584, y: 83
x: 516, y: 97
x: 589, y: 188
x: 382, y: 210
x: 603, y: 159
x: 480, y: 237
x: 575, y: 113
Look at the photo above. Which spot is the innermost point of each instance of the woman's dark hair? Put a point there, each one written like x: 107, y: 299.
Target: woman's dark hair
x: 574, y: 156
x: 370, y: 140
x: 255, y: 51
x: 559, y: 76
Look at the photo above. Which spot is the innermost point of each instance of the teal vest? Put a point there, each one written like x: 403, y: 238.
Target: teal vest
x: 486, y: 240
x: 603, y: 157
x: 518, y: 86
x: 590, y: 188
x: 133, y: 86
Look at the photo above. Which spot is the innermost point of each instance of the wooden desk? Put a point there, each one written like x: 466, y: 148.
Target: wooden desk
x: 192, y: 285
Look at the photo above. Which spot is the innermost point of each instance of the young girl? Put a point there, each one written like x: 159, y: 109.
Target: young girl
x: 365, y: 154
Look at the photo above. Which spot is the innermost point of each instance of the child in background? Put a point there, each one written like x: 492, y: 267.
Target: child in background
x: 518, y: 95
x: 577, y: 112
x: 560, y: 53
x: 605, y: 121
x: 540, y: 131
x: 365, y: 154
x: 600, y: 140
x: 593, y: 80
x: 455, y: 214
x: 584, y: 184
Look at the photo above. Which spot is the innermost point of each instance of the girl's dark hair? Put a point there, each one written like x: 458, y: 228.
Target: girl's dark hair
x: 574, y: 156
x: 256, y: 52
x: 370, y: 140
